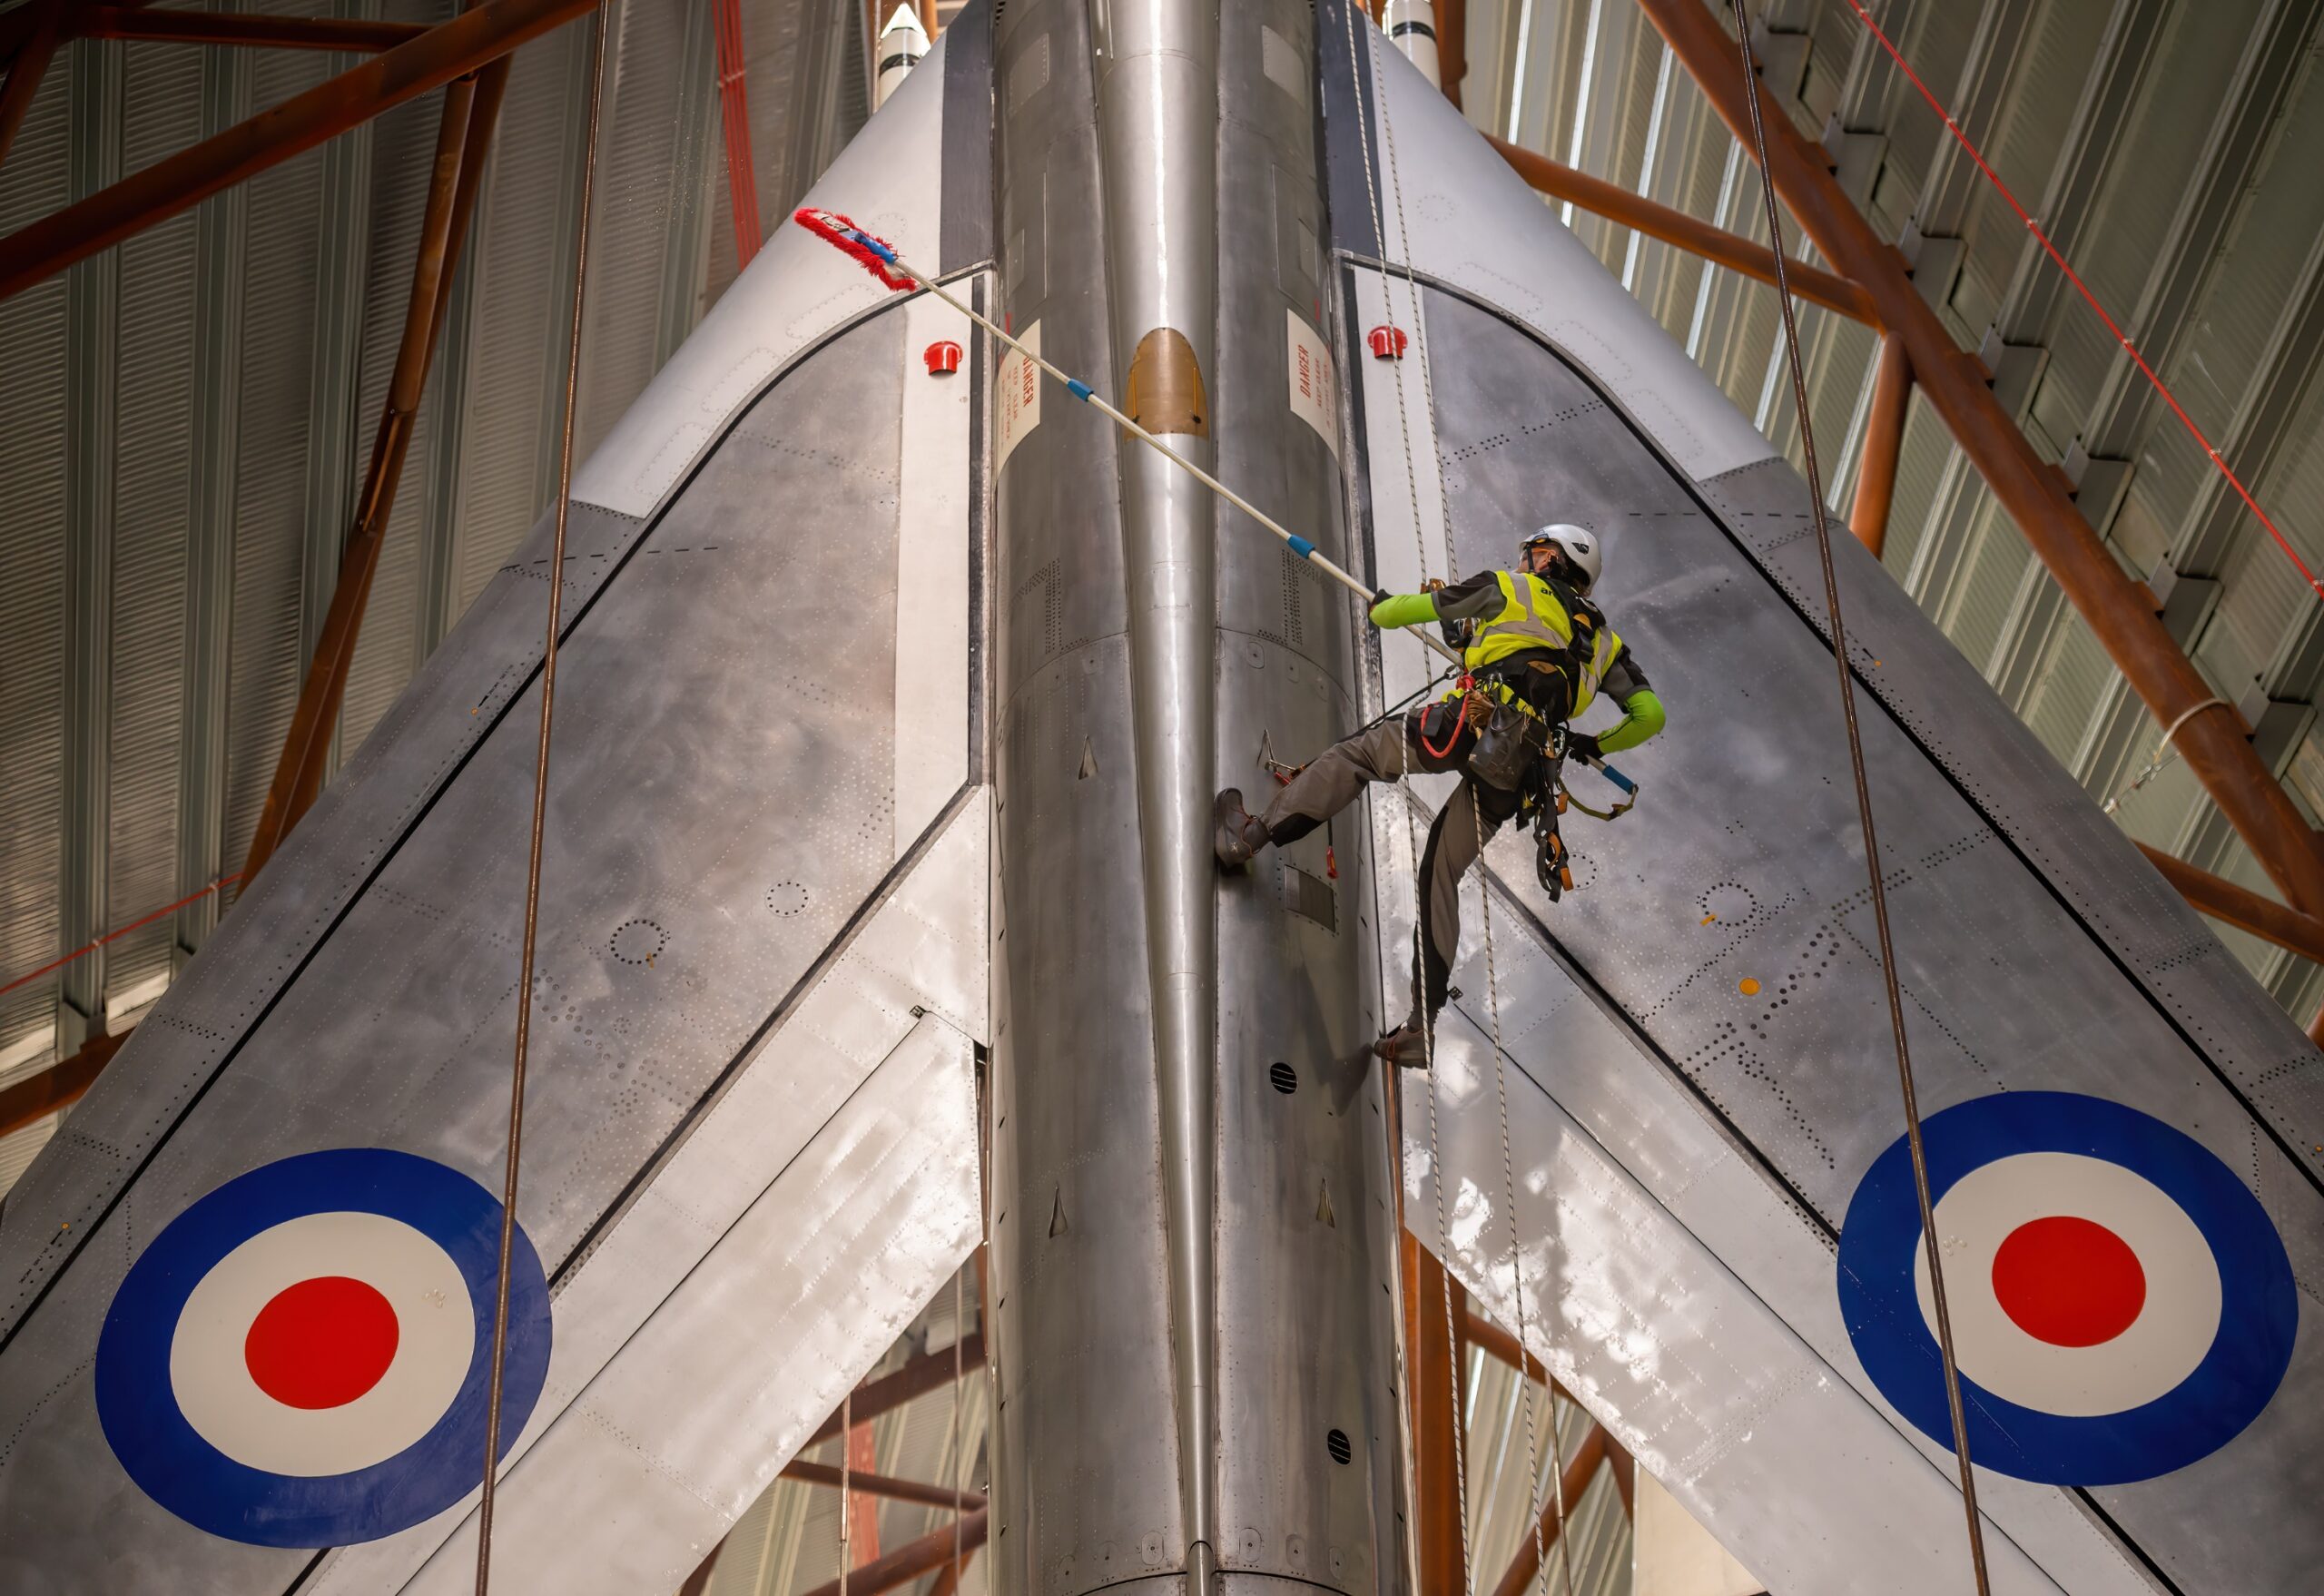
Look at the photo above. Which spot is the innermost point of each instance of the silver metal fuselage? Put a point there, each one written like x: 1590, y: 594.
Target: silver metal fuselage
x: 1192, y: 1266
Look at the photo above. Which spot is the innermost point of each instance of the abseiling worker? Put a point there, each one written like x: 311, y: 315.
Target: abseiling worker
x: 1538, y: 654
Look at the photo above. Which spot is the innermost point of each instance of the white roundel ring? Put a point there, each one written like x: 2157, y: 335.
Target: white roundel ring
x: 300, y: 1357
x: 2061, y: 1313
x: 390, y: 1342
x: 2122, y: 1305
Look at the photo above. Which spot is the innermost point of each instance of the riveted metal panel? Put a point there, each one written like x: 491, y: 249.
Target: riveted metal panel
x: 1087, y: 1453
x: 2036, y: 950
x: 1307, y: 1227
x: 361, y: 993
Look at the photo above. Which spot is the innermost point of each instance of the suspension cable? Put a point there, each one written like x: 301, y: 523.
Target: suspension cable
x: 2090, y: 299
x: 540, y: 809
x: 959, y: 1430
x: 1879, y: 891
x: 846, y: 1487
x: 1484, y: 900
x: 1412, y: 852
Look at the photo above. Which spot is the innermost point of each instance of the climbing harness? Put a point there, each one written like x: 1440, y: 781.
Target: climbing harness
x: 1879, y: 891
x: 499, y: 1355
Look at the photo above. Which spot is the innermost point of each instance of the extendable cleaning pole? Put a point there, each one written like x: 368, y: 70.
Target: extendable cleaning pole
x: 880, y: 259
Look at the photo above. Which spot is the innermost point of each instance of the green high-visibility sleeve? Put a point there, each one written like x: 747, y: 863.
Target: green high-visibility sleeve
x: 1642, y: 718
x: 1406, y: 609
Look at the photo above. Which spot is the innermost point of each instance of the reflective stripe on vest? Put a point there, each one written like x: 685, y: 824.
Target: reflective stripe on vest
x: 1532, y: 618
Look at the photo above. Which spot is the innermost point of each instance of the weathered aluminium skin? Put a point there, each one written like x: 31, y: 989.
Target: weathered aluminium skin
x: 1193, y: 1269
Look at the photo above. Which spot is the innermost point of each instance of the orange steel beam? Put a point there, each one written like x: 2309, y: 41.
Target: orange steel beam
x: 1884, y: 440
x: 1625, y: 1467
x: 1433, y: 1361
x: 1588, y: 1458
x: 912, y: 1559
x: 2240, y: 907
x: 929, y: 1372
x: 1452, y: 46
x: 1490, y: 1337
x: 58, y: 1087
x: 863, y: 1484
x: 345, y: 34
x: 299, y: 770
x: 860, y: 1515
x: 184, y: 180
x: 30, y: 64
x: 2215, y: 745
x: 948, y: 1579
x: 1716, y: 244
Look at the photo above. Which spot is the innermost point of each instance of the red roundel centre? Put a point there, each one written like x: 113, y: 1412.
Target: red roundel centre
x: 322, y: 1343
x: 2069, y: 1282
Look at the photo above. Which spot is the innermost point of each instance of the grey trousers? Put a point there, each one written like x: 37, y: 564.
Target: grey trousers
x: 1384, y: 752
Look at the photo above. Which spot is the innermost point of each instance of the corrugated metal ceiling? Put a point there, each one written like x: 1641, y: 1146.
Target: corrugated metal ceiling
x: 2172, y: 149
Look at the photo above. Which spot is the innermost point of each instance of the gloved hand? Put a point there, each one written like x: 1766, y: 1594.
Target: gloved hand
x: 1582, y: 746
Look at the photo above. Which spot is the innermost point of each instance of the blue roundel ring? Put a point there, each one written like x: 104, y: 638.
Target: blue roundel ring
x: 2258, y: 1314
x: 173, y: 1465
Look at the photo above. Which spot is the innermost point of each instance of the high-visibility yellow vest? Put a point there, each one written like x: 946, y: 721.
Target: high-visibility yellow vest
x: 1532, y: 618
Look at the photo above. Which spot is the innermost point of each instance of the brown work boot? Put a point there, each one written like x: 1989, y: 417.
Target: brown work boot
x: 1236, y: 834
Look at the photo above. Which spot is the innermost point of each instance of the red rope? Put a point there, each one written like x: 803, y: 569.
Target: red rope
x: 1459, y: 724
x: 87, y: 948
x: 741, y: 183
x: 2083, y: 288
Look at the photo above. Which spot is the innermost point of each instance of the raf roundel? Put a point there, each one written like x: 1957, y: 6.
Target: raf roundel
x: 2122, y: 1305
x: 300, y: 1358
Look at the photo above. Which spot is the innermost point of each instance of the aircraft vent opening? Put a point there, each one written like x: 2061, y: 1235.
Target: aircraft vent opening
x: 1336, y: 1444
x: 1310, y: 896
x: 1283, y: 1078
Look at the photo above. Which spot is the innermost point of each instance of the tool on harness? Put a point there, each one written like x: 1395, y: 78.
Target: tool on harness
x: 1510, y: 743
x: 1460, y: 721
x: 1542, y: 800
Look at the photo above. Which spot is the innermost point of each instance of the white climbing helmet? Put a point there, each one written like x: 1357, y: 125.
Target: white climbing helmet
x: 1580, y: 546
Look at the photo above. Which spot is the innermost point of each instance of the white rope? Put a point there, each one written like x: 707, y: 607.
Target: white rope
x: 1484, y: 900
x: 2164, y: 753
x: 1413, y: 853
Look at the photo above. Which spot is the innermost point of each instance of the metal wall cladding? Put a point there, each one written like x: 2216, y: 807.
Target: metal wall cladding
x: 1086, y: 1462
x: 153, y: 426
x: 363, y: 992
x: 1306, y: 1211
x: 518, y: 284
x: 32, y: 599
x: 1727, y: 920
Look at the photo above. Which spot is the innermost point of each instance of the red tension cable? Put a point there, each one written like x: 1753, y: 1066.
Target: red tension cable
x: 87, y: 948
x: 2083, y: 288
x: 742, y: 183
